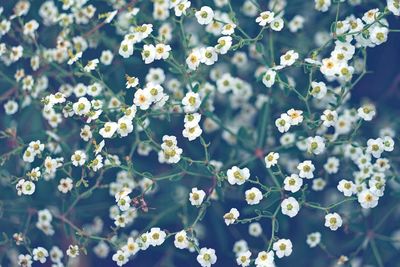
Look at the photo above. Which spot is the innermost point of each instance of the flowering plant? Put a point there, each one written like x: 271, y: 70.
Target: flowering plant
x: 178, y: 132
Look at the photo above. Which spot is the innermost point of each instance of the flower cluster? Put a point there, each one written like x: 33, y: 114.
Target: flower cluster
x: 258, y: 94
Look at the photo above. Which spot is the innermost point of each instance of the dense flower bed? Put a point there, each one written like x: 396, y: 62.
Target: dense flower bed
x: 218, y: 132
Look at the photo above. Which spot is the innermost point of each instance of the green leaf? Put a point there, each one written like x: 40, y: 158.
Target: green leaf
x: 196, y: 88
x: 262, y: 125
x: 259, y: 48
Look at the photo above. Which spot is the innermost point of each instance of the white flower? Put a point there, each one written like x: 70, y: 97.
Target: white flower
x: 378, y: 35
x: 108, y: 129
x: 73, y: 251
x: 329, y: 117
x: 142, y: 99
x: 78, y: 158
x: 168, y: 142
x: 181, y: 7
x: 125, y: 126
x: 191, y: 102
x: 333, y: 221
x: 293, y: 183
x: 94, y: 89
x: 277, y: 24
x: 296, y: 116
x: 243, y: 258
x: 123, y: 192
x: 228, y: 29
x: 91, y: 65
x: 239, y: 246
x: 120, y: 257
x: 253, y: 196
x: 296, y: 23
x: 287, y: 139
x: 192, y: 133
x: 265, y: 18
x: 181, y: 240
x: 348, y: 188
x: 155, y: 90
x: 124, y: 203
x: 192, y: 119
x: 271, y: 159
x: 40, y: 254
x: 45, y: 216
x: 290, y: 207
x: 157, y: 236
x: 377, y: 187
x: 322, y: 5
x: 170, y: 155
x: 86, y: 133
x: 318, y: 90
x: 306, y: 169
x: 224, y: 44
x: 34, y: 174
x: 74, y: 57
x: 283, y: 123
x: 131, y: 247
x: 26, y: 187
x: 231, y: 216
x: 388, y: 143
x: 143, y: 31
x: 208, y: 55
x: 318, y: 184
x: 255, y: 229
x: 148, y: 53
x: 97, y: 163
x: 394, y: 7
x: 162, y: 51
x: 130, y: 112
x: 82, y: 107
x: 238, y: 176
x: 120, y: 220
x: 11, y: 107
x: 196, y: 197
x: 289, y: 58
x: 313, y: 239
x: 101, y: 250
x: 282, y: 247
x: 268, y: 78
x: 205, y: 15
x: 316, y: 145
x: 25, y: 260
x: 375, y: 147
x: 106, y: 57
x: 367, y: 199
x: 366, y: 112
x: 126, y: 49
x: 65, y: 185
x: 193, y: 60
x: 329, y: 67
x: 36, y: 147
x: 51, y: 165
x: 206, y: 257
x: 265, y: 259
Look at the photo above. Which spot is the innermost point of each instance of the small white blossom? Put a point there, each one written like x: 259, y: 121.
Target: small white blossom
x: 333, y: 221
x: 206, y: 257
x: 238, y: 176
x: 196, y: 197
x: 253, y: 196
x: 290, y: 207
x: 231, y: 216
x: 205, y: 15
x: 282, y: 247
